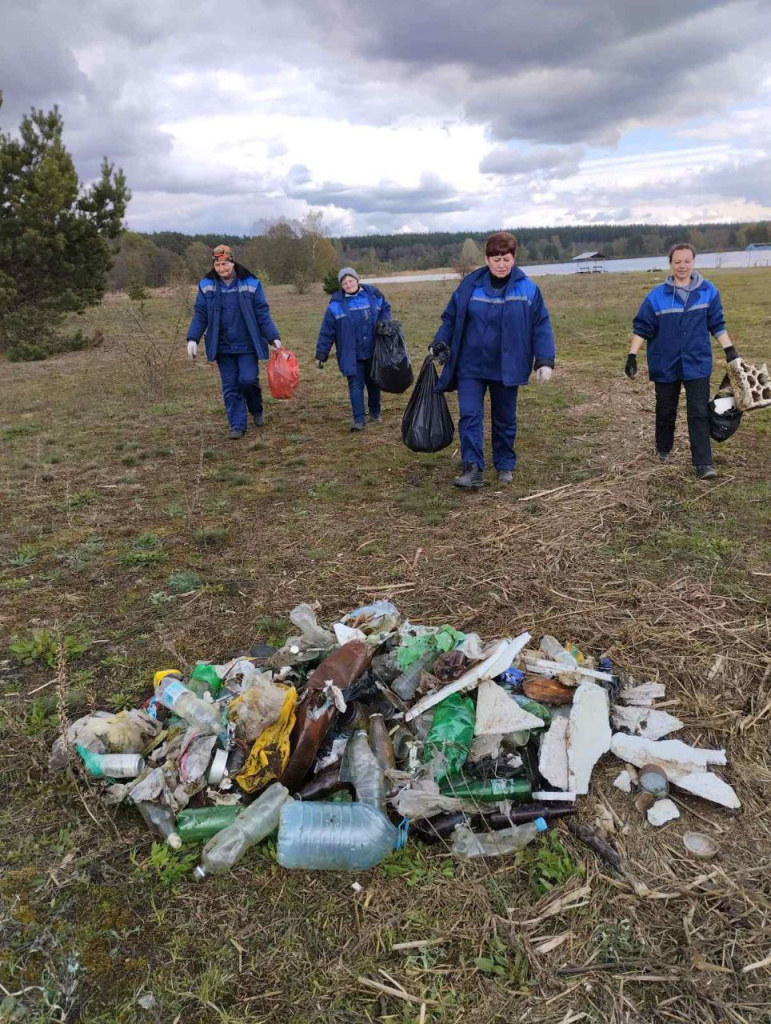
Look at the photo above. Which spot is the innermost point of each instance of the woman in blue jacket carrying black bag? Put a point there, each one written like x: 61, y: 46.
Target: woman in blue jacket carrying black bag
x: 349, y: 324
x: 676, y: 320
x: 495, y: 331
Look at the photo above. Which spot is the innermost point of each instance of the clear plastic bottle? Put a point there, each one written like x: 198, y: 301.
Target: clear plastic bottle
x: 173, y: 694
x: 333, y: 837
x: 255, y: 823
x: 380, y: 742
x: 111, y: 766
x: 406, y: 685
x: 468, y: 844
x: 554, y: 651
x: 161, y: 820
x: 362, y: 768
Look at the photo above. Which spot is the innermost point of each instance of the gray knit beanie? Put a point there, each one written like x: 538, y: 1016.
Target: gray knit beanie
x: 346, y: 272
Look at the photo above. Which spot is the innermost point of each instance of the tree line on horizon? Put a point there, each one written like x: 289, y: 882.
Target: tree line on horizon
x: 300, y: 252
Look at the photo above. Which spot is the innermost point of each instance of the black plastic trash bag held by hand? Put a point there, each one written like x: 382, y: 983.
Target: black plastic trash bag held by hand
x: 391, y: 366
x: 723, y: 425
x: 427, y: 424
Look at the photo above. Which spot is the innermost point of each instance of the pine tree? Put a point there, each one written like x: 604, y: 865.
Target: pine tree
x: 55, y: 235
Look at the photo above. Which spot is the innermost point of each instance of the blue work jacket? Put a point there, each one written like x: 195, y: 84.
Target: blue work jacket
x: 677, y: 334
x: 525, y: 329
x: 254, y: 307
x: 343, y: 326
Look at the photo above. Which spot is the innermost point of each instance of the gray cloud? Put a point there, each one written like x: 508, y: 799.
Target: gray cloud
x: 431, y: 196
x: 550, y: 161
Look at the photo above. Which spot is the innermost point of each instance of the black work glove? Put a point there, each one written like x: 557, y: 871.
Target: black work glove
x: 320, y: 363
x: 440, y: 351
x: 730, y: 354
x: 631, y: 366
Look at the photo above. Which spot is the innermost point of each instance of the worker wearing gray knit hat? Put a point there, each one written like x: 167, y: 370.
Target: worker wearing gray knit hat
x: 349, y: 324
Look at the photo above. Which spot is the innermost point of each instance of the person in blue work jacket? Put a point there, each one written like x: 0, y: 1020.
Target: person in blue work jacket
x: 495, y: 331
x: 676, y: 320
x: 232, y: 309
x: 349, y: 324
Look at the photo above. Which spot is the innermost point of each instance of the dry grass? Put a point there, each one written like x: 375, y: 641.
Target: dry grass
x: 632, y: 558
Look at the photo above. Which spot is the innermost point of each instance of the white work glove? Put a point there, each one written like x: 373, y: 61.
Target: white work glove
x: 543, y: 373
x: 276, y: 343
x: 192, y: 349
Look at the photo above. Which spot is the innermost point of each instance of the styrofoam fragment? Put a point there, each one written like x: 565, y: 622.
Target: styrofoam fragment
x: 553, y: 753
x: 588, y: 734
x: 685, y: 766
x: 623, y: 781
x: 498, y: 714
x: 643, y: 695
x: 662, y: 812
x: 654, y: 725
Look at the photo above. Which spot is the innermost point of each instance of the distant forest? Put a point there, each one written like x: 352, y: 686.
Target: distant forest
x: 301, y: 252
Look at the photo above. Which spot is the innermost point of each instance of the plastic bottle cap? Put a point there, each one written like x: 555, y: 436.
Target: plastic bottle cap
x: 174, y: 840
x: 540, y: 824
x: 217, y: 769
x: 199, y: 873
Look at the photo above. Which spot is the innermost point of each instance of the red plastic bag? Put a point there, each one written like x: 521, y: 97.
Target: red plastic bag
x: 283, y: 373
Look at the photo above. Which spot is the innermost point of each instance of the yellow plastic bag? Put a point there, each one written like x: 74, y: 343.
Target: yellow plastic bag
x: 270, y: 751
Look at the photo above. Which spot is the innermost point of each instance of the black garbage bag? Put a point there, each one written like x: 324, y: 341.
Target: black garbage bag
x: 723, y: 425
x: 391, y: 366
x: 427, y: 424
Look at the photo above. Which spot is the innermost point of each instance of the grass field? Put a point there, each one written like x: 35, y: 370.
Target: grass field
x: 137, y: 536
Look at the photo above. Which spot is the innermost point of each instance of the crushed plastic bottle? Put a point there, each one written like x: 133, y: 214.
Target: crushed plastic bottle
x: 468, y: 844
x: 111, y: 766
x: 334, y: 837
x: 253, y: 824
x: 361, y: 767
x: 197, y: 824
x: 174, y: 695
x: 554, y: 651
x: 161, y: 820
x: 405, y: 686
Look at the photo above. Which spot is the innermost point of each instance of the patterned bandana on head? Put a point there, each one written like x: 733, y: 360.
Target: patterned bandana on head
x: 222, y: 253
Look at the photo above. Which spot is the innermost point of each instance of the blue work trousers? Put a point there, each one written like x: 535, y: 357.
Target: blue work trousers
x: 356, y: 387
x: 240, y: 387
x: 503, y: 416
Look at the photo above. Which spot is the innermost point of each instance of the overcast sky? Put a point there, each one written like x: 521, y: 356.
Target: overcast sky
x: 406, y: 115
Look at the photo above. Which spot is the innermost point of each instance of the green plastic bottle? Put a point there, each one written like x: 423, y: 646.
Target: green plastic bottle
x: 207, y: 674
x: 196, y: 824
x: 488, y: 790
x: 534, y: 707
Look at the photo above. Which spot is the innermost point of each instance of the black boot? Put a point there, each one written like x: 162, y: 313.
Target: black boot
x: 472, y: 476
x: 705, y: 472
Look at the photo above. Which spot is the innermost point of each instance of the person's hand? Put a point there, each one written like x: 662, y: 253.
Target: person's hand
x: 192, y: 349
x: 276, y: 343
x: 320, y: 363
x: 440, y: 351
x: 543, y: 373
x: 730, y: 354
x: 631, y: 366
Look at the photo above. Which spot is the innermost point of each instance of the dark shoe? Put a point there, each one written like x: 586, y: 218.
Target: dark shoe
x: 259, y: 419
x: 705, y: 472
x: 472, y: 476
x: 664, y: 456
x: 356, y: 425
x: 505, y: 476
x: 236, y: 435
x: 375, y: 419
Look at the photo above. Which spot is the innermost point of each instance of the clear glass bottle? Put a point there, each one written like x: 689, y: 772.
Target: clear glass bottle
x: 362, y: 768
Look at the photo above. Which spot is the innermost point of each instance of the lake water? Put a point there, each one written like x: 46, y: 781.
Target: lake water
x: 704, y: 261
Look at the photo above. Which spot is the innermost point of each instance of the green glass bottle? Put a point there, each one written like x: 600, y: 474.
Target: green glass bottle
x: 196, y: 824
x: 488, y: 790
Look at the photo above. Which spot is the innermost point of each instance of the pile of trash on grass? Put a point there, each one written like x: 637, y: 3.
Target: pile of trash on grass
x: 349, y: 737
